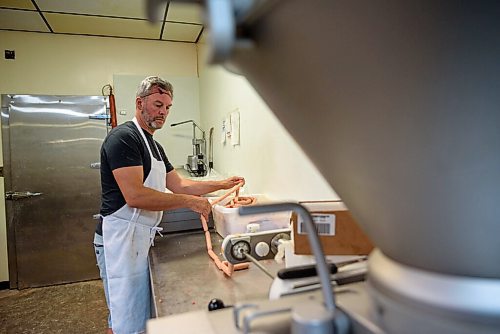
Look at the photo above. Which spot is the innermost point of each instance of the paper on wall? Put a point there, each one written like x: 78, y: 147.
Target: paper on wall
x: 223, y: 132
x: 235, y: 128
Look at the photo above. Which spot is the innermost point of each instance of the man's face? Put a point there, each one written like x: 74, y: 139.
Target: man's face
x: 155, y: 108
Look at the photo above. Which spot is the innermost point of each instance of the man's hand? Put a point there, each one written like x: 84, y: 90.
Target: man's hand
x: 231, y: 182
x: 201, y: 205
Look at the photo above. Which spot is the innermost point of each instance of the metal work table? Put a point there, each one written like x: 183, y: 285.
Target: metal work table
x: 184, y: 278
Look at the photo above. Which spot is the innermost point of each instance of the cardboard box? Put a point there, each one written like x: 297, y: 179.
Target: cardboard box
x: 338, y: 231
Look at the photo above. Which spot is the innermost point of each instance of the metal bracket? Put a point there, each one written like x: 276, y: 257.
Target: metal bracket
x: 95, y: 165
x: 234, y: 246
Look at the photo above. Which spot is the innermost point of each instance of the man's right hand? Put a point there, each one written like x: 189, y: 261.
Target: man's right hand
x: 202, y: 206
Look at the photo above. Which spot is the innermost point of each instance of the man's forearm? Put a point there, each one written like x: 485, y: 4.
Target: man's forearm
x: 200, y: 187
x: 153, y: 200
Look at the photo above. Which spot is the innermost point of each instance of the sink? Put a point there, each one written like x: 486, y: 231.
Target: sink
x: 185, y: 219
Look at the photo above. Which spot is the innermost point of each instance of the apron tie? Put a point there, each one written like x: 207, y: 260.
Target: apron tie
x: 154, y: 230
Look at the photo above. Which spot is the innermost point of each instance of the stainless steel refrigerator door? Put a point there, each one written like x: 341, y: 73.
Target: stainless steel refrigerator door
x: 50, y: 144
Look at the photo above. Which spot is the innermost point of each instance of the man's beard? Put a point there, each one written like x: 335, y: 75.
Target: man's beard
x: 151, y: 122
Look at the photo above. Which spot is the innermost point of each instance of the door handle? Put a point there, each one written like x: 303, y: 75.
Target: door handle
x: 95, y: 165
x: 16, y: 195
x: 100, y: 116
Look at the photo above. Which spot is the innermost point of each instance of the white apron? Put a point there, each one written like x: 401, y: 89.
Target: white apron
x: 127, y: 236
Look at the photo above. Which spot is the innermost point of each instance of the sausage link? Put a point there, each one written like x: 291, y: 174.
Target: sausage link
x: 226, y: 267
x: 208, y: 240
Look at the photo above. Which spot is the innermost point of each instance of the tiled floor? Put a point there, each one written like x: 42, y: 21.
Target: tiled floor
x: 69, y: 308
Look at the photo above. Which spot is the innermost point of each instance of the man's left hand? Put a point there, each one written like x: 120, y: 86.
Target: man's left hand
x: 231, y: 182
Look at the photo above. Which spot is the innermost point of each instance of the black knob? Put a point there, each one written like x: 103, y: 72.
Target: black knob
x: 215, y: 304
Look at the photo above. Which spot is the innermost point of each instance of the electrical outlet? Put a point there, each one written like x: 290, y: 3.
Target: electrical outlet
x: 10, y: 54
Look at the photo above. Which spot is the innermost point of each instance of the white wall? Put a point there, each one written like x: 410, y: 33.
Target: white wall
x: 268, y: 157
x: 79, y: 65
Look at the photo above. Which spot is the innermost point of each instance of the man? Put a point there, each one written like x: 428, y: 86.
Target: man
x: 134, y: 174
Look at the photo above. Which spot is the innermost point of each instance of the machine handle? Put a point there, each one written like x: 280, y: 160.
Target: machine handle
x: 16, y: 195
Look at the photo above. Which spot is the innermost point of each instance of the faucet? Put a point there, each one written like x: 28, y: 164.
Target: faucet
x: 196, y: 163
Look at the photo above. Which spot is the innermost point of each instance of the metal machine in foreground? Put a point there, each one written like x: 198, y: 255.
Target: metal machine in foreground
x: 403, y: 97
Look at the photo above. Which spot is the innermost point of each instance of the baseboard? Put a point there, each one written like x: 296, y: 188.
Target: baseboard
x: 4, y: 285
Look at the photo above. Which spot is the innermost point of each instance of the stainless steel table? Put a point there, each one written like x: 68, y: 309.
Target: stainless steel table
x: 184, y: 278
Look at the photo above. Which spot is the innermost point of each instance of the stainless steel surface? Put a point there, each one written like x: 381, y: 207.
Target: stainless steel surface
x: 192, y: 162
x: 452, y: 304
x: 311, y: 318
x: 49, y: 143
x: 353, y: 300
x: 258, y: 265
x: 184, y: 278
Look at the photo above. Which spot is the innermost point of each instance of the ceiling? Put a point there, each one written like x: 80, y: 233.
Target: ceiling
x: 181, y: 22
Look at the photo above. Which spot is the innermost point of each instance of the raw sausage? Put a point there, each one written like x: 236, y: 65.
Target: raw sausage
x: 226, y: 267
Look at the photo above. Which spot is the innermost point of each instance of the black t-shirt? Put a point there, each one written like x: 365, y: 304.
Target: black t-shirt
x: 125, y: 147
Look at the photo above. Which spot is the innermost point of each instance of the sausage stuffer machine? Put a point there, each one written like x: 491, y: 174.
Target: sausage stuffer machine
x: 197, y: 162
x: 397, y: 104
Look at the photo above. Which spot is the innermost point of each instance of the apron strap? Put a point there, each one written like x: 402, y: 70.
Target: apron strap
x: 154, y: 230
x: 137, y: 212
